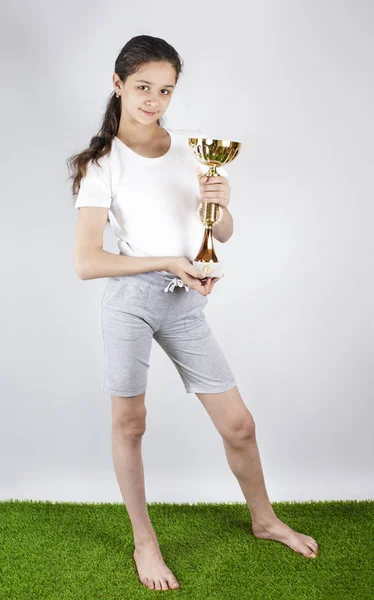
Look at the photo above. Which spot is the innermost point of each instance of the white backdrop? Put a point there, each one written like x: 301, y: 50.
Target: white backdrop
x: 292, y: 81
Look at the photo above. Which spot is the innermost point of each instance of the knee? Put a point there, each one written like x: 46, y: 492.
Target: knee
x: 240, y: 430
x: 130, y: 429
x: 130, y: 424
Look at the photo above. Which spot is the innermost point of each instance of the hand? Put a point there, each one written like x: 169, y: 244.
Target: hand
x: 209, y: 283
x: 215, y: 189
x: 195, y: 279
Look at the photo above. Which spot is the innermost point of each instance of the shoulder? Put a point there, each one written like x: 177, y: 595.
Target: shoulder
x: 109, y: 166
x: 99, y: 167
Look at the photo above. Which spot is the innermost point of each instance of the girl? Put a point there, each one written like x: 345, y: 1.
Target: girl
x: 144, y: 177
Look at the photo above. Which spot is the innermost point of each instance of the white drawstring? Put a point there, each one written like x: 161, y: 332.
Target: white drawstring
x: 176, y: 281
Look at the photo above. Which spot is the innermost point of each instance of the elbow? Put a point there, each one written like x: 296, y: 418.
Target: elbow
x: 82, y: 260
x: 79, y: 267
x: 79, y: 271
x: 85, y: 263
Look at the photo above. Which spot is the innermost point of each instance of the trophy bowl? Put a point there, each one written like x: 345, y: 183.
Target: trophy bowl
x: 213, y: 153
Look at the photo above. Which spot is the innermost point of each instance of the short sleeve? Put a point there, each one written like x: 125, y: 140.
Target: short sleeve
x: 95, y: 187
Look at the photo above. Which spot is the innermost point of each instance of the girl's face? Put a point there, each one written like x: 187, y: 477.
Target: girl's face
x: 149, y: 89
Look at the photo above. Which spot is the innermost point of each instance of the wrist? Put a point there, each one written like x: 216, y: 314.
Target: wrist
x: 167, y: 263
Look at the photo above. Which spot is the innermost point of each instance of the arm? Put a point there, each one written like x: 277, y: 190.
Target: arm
x: 224, y: 230
x: 100, y: 263
x: 91, y: 261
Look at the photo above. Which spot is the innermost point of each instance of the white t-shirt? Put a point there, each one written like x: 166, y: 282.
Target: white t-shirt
x: 152, y: 202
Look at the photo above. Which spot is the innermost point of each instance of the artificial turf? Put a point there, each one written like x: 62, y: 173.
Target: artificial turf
x: 81, y: 551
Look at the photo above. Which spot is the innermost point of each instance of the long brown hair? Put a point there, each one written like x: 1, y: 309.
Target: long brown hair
x: 139, y: 50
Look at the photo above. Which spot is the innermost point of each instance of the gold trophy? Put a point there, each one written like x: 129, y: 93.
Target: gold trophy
x: 213, y: 153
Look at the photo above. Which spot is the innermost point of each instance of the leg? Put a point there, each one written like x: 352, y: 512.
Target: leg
x: 236, y: 426
x: 128, y: 427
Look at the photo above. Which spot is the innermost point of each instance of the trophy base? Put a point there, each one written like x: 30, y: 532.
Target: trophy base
x: 210, y: 269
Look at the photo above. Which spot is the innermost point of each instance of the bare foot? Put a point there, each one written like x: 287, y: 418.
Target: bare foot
x: 152, y: 570
x: 280, y: 532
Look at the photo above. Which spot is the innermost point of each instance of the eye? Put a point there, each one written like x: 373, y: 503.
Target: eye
x: 144, y: 86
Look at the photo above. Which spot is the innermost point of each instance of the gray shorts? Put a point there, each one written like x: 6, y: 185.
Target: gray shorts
x: 134, y: 310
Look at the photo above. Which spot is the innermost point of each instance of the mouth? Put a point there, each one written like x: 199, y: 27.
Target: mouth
x: 150, y: 114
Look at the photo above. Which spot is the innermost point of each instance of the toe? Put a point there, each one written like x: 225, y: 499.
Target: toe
x: 164, y: 584
x: 158, y: 584
x: 151, y: 584
x: 173, y: 583
x: 313, y: 546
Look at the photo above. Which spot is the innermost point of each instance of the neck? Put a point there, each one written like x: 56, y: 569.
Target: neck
x: 130, y: 129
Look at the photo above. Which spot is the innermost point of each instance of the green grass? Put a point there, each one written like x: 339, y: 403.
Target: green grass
x: 84, y: 552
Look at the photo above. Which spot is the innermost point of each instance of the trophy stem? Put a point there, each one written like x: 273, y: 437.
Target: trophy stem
x: 212, y: 171
x: 206, y: 252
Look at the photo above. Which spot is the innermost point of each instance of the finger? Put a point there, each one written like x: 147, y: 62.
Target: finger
x: 215, y: 193
x: 219, y: 187
x: 212, y: 184
x: 201, y: 288
x: 216, y: 179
